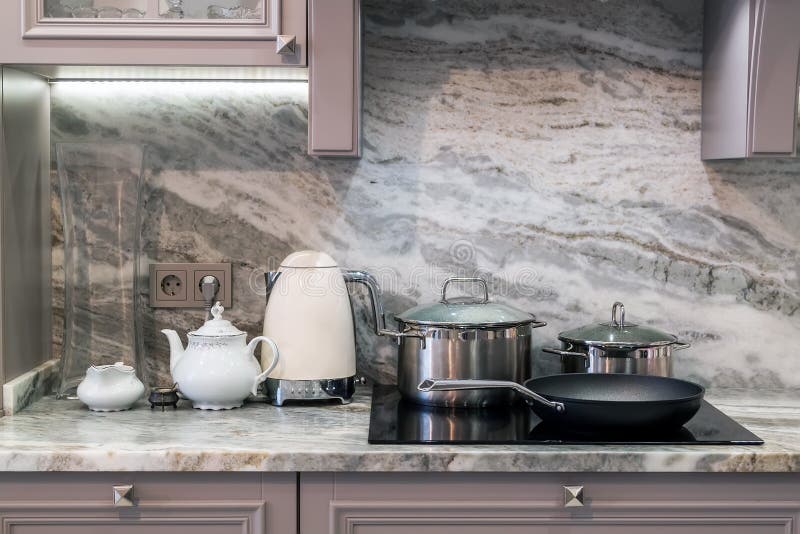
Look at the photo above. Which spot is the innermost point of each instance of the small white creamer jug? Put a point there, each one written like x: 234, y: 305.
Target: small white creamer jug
x: 110, y: 388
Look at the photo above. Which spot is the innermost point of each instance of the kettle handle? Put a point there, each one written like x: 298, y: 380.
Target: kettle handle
x: 363, y: 277
x: 251, y: 348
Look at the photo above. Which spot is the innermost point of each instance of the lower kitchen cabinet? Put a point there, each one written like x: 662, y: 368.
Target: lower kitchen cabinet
x: 428, y: 503
x: 160, y: 503
x: 395, y: 503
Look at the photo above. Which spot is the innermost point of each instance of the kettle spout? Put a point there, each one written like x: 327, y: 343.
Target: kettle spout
x: 175, y: 348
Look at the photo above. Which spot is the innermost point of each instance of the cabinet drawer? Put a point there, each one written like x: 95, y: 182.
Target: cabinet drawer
x: 242, y: 503
x: 535, y: 503
x: 149, y: 488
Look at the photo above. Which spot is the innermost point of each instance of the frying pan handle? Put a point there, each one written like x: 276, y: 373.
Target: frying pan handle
x: 443, y: 384
x: 565, y: 353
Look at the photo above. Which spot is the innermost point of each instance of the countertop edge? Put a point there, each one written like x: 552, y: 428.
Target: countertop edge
x: 211, y: 460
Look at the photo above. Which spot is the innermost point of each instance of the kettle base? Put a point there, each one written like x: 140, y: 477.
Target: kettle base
x: 341, y: 389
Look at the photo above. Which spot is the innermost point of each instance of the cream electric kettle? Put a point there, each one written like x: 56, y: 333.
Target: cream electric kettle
x: 309, y: 316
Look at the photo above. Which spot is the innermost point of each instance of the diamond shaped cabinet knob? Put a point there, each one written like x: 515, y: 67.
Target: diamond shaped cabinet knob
x: 285, y: 44
x: 573, y: 496
x: 123, y: 496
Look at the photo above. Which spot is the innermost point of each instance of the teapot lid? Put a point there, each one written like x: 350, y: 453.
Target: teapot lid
x: 217, y: 327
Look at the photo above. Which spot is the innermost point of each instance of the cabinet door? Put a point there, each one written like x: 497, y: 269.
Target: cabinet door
x: 774, y: 89
x: 169, y: 503
x: 334, y: 115
x: 751, y: 54
x: 152, y: 19
x: 153, y: 32
x: 395, y: 503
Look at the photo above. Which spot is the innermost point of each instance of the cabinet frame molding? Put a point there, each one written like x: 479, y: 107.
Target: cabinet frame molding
x: 251, y: 516
x: 37, y: 26
x: 347, y: 516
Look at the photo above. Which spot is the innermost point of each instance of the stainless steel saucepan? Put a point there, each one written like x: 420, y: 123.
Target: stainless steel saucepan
x: 617, y: 347
x: 458, y: 338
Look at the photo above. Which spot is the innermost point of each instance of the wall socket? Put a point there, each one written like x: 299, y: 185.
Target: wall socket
x: 177, y: 285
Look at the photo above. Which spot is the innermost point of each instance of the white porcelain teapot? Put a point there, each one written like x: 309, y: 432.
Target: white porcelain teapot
x: 110, y: 388
x: 217, y: 370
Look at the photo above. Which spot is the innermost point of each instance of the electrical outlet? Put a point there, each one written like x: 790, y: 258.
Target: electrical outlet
x: 177, y: 285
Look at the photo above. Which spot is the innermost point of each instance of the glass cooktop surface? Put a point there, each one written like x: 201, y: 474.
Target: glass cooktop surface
x: 395, y: 421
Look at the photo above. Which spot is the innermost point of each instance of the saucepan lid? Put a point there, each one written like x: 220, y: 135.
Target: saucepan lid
x: 467, y: 312
x: 618, y: 333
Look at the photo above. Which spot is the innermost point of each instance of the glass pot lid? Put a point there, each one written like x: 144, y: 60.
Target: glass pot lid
x: 217, y: 327
x: 617, y: 333
x: 466, y: 311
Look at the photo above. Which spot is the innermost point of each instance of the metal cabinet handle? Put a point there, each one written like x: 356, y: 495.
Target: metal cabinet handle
x: 573, y: 496
x: 285, y: 45
x: 123, y: 496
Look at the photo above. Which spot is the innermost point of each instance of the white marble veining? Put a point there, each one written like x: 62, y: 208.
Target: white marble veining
x: 64, y: 436
x: 29, y: 387
x: 553, y: 145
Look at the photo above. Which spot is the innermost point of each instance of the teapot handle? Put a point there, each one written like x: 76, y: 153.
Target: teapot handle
x: 251, y: 348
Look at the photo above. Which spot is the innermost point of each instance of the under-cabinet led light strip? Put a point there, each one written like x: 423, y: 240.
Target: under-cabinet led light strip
x: 59, y: 73
x: 166, y: 88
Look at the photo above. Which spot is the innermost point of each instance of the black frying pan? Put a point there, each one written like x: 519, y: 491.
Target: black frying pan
x: 592, y: 402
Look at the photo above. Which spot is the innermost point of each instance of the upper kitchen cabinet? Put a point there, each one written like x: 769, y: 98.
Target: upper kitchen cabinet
x: 318, y: 41
x: 334, y: 78
x: 262, y: 33
x: 751, y: 55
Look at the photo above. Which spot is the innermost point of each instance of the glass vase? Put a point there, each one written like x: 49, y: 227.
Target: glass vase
x: 100, y: 190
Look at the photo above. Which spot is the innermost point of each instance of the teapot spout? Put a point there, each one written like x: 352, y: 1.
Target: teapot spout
x: 175, y: 348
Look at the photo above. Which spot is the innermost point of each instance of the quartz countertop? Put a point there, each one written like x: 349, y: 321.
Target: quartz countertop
x: 62, y: 435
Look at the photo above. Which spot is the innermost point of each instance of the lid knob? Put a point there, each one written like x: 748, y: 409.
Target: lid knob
x: 621, y: 307
x: 217, y: 326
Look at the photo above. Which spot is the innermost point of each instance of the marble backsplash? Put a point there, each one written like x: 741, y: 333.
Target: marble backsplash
x: 553, y: 147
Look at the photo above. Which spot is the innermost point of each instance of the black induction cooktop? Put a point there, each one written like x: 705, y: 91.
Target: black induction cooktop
x: 395, y: 421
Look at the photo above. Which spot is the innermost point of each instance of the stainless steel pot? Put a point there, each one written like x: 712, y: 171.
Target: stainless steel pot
x: 459, y: 338
x: 617, y: 347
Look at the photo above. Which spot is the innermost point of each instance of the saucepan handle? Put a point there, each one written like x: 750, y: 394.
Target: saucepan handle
x: 680, y: 345
x: 560, y: 352
x: 446, y: 384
